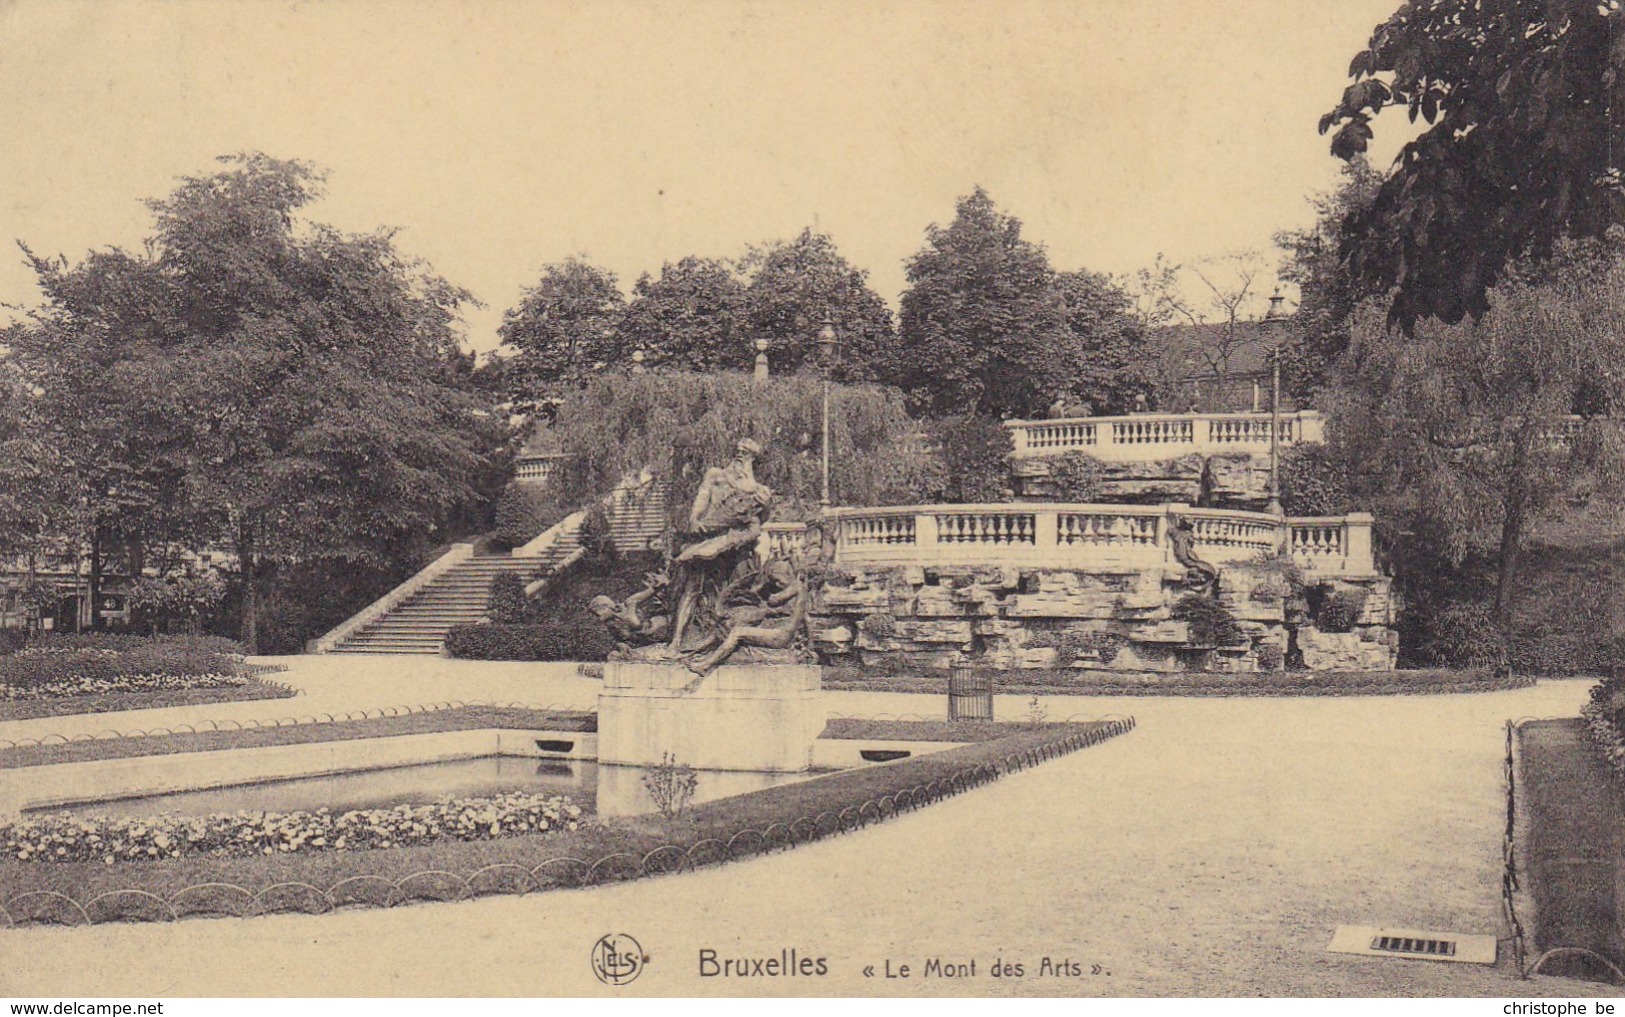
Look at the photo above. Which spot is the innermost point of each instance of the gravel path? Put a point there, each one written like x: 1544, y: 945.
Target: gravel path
x: 1210, y: 852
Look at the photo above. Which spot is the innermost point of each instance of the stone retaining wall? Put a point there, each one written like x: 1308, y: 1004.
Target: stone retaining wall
x: 1123, y: 619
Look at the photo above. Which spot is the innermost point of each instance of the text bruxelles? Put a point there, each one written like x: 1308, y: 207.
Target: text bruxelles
x: 788, y: 962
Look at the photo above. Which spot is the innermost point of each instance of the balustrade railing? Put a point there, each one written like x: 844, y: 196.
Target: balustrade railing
x: 1158, y: 436
x: 537, y: 468
x: 1079, y: 536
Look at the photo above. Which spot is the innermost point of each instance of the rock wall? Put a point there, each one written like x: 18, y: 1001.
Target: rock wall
x: 1009, y: 618
x: 1239, y: 481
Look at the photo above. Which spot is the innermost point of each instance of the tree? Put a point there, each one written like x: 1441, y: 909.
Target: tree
x: 1327, y: 293
x: 794, y: 285
x: 1221, y: 321
x: 565, y: 325
x: 982, y: 328
x: 692, y: 317
x: 277, y: 387
x: 1458, y: 428
x: 29, y: 488
x: 104, y: 430
x: 1523, y: 98
x: 1109, y: 366
x: 677, y: 423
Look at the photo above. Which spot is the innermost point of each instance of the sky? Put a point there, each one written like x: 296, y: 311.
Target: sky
x: 497, y: 137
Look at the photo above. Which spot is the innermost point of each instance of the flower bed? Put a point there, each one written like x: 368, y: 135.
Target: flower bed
x: 714, y: 833
x: 100, y: 664
x: 84, y: 685
x: 127, y: 672
x: 148, y: 699
x: 65, y: 837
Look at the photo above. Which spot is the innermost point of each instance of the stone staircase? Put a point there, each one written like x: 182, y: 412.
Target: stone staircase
x: 459, y: 596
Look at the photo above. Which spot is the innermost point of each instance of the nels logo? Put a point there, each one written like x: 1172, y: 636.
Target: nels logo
x: 617, y: 959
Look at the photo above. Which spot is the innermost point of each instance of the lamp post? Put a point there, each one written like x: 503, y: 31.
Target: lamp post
x: 1274, y: 321
x: 827, y: 348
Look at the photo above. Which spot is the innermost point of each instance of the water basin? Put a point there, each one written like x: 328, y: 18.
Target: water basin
x: 608, y: 791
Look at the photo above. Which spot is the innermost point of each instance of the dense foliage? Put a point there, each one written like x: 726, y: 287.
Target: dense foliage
x: 1315, y: 480
x: 974, y: 458
x: 794, y: 286
x: 676, y: 424
x: 1454, y: 430
x: 987, y: 327
x: 255, y: 381
x: 1077, y: 476
x: 564, y: 326
x: 692, y: 316
x: 1522, y: 97
x: 1210, y: 624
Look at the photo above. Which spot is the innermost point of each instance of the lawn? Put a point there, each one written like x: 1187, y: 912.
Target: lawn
x: 620, y: 849
x: 465, y: 718
x: 1078, y: 682
x: 1572, y: 810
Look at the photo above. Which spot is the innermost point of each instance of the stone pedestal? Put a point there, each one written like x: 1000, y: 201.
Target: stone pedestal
x: 761, y: 717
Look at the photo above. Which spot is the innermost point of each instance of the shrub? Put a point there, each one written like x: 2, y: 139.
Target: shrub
x: 1340, y: 610
x: 1077, y: 476
x: 1451, y: 634
x: 509, y: 605
x: 1210, y: 624
x: 1279, y: 578
x: 1314, y: 481
x: 671, y: 784
x: 1270, y: 657
x: 566, y: 637
x: 880, y: 625
x: 1074, y: 646
x: 975, y: 457
x: 523, y: 512
x: 597, y: 542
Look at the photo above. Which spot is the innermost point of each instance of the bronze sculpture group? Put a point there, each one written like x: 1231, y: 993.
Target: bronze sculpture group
x: 715, y: 600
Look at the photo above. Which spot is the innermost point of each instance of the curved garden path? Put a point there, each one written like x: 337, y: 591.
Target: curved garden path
x: 1209, y: 852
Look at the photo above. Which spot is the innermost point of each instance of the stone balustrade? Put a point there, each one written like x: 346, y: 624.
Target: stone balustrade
x: 1152, y: 436
x: 537, y: 469
x: 1067, y: 536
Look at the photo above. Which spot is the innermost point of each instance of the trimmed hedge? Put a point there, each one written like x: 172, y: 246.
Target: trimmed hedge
x: 562, y: 638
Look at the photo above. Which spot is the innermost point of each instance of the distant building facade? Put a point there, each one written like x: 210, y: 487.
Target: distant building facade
x: 1221, y: 367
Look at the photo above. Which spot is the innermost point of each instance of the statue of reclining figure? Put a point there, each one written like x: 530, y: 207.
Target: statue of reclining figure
x: 772, y: 624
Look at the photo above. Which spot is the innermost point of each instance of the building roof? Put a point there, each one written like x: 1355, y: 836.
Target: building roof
x: 1193, y: 348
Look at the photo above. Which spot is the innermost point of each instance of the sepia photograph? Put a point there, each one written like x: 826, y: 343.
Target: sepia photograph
x: 653, y: 499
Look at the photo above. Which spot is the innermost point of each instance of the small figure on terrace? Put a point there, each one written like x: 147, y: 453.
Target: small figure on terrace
x: 1182, y: 540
